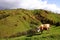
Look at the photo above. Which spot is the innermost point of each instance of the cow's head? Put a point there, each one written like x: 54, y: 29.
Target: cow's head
x: 38, y: 29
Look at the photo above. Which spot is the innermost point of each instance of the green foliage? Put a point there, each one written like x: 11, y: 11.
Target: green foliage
x: 52, y: 34
x: 20, y: 20
x: 14, y: 21
x: 47, y: 17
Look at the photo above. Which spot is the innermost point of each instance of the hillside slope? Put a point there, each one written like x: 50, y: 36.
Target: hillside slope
x: 13, y: 21
x: 48, y: 17
x: 19, y: 20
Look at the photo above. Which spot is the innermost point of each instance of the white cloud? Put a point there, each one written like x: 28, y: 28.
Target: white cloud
x: 29, y: 4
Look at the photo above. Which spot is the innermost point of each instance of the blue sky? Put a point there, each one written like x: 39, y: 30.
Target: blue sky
x: 57, y: 2
x: 51, y: 5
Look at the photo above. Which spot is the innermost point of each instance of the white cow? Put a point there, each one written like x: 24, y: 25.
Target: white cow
x: 43, y: 27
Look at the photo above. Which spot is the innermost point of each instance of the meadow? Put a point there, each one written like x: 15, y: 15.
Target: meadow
x: 52, y: 34
x: 20, y: 20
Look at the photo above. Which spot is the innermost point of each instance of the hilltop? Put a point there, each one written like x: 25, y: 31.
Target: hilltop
x: 19, y: 20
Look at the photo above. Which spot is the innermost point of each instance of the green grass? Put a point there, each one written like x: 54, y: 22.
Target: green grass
x: 19, y: 20
x: 53, y: 34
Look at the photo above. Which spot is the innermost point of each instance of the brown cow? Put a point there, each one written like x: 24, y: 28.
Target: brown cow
x: 43, y: 27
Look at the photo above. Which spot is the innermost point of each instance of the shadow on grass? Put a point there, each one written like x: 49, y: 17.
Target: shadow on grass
x: 33, y: 35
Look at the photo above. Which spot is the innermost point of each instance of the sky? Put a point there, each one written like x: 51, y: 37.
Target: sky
x: 51, y: 5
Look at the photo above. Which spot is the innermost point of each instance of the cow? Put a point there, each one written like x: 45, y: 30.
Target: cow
x: 43, y: 27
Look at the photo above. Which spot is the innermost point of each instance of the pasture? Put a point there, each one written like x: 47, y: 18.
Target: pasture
x: 52, y: 34
x: 20, y: 20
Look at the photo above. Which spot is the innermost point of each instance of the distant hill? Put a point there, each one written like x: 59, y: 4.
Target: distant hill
x: 19, y: 20
x: 48, y: 17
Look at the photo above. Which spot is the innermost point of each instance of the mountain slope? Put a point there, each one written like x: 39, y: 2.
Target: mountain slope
x: 13, y: 21
x: 19, y: 20
x: 48, y: 17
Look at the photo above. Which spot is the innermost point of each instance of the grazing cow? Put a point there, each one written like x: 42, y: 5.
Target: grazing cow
x: 43, y: 27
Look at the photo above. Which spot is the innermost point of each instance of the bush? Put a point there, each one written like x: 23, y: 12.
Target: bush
x: 4, y: 16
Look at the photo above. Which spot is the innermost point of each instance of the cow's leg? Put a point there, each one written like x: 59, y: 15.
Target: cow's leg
x: 41, y: 29
x: 47, y: 30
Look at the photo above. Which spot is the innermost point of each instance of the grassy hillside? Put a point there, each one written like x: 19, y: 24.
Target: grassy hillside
x: 47, y: 17
x: 13, y: 21
x: 19, y: 20
x: 53, y: 34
